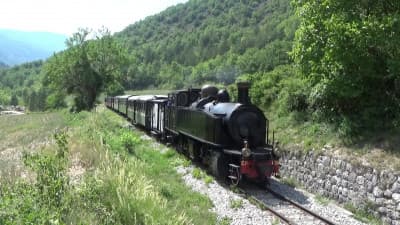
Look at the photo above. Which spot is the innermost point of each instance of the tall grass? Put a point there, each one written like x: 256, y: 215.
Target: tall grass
x: 127, y: 181
x: 132, y: 196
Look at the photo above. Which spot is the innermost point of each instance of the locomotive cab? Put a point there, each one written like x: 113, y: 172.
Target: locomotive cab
x: 184, y: 98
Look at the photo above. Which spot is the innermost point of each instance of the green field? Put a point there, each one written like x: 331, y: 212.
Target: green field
x: 24, y: 130
x: 125, y: 180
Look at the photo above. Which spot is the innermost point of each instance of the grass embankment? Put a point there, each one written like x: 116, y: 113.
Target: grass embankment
x: 296, y: 131
x: 127, y: 180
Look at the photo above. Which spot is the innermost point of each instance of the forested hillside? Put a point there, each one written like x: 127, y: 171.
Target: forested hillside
x: 23, y: 82
x: 191, y: 44
x: 331, y: 68
x: 341, y: 69
x: 209, y: 41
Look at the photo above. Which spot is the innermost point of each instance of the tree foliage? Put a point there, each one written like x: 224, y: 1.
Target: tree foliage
x: 20, y: 82
x: 348, y: 52
x: 86, y: 68
x: 4, y: 97
x: 14, y: 100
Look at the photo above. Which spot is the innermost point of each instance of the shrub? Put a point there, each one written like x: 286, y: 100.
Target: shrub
x: 293, y: 94
x: 197, y: 173
x: 129, y: 140
x: 208, y: 179
x: 45, y: 201
x: 236, y: 203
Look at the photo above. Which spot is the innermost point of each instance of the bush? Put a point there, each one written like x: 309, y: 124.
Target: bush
x: 281, y: 87
x: 55, y: 101
x: 293, y: 95
x: 45, y: 201
x: 129, y: 140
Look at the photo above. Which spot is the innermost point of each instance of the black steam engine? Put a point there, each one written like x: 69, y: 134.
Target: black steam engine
x: 230, y: 137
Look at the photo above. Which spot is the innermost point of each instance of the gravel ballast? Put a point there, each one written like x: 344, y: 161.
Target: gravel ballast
x: 222, y: 200
x: 249, y: 213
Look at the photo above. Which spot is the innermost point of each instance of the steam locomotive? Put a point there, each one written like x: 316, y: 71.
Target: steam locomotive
x: 230, y: 137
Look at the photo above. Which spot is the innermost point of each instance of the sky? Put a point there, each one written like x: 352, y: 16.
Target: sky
x: 66, y: 16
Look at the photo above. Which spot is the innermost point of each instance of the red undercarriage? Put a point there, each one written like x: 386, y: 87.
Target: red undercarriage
x: 252, y: 169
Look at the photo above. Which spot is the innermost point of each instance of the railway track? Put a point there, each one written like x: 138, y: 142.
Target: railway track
x: 288, y: 211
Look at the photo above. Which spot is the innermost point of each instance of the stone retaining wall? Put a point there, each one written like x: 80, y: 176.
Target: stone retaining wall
x: 345, y: 182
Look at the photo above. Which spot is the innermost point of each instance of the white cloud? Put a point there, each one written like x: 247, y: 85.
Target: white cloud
x: 66, y: 16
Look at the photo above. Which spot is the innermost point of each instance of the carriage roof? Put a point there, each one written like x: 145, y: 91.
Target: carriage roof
x: 147, y: 97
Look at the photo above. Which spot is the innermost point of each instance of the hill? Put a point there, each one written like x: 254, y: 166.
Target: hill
x: 17, y: 47
x: 3, y: 65
x: 221, y: 41
x: 199, y: 42
x: 209, y: 41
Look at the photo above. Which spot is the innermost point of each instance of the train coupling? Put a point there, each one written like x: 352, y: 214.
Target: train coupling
x: 246, y: 151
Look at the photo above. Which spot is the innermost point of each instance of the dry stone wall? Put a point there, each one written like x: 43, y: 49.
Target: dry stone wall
x: 346, y: 182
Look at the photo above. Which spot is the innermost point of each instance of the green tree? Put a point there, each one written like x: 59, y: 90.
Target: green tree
x: 348, y: 52
x: 87, y: 67
x: 55, y: 100
x: 32, y: 101
x: 14, y: 100
x: 4, y: 97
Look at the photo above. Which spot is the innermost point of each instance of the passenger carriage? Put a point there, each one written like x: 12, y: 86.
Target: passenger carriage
x: 122, y: 103
x: 140, y: 110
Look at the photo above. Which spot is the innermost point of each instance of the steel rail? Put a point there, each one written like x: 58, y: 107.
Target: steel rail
x: 266, y: 207
x: 308, y: 211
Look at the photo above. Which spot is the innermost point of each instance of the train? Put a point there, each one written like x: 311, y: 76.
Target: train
x: 231, y: 138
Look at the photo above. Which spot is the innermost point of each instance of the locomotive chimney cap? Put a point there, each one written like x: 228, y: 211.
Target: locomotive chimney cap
x: 243, y: 92
x: 243, y: 84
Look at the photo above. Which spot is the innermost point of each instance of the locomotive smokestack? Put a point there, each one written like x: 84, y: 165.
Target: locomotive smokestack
x: 243, y: 92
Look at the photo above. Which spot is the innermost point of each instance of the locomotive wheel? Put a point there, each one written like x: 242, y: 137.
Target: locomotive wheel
x: 264, y: 182
x: 181, y: 145
x: 218, y: 165
x: 235, y: 176
x: 194, y: 151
